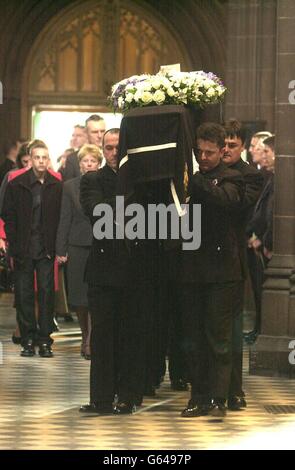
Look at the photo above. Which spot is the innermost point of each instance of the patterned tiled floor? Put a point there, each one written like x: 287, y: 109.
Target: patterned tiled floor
x: 40, y: 399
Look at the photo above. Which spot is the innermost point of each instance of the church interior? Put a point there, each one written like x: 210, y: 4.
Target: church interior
x: 59, y: 60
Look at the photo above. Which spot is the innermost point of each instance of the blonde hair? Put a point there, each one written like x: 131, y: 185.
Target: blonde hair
x: 90, y: 149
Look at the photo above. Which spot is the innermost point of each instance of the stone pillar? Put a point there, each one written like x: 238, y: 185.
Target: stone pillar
x: 110, y: 38
x: 270, y: 354
x: 250, y: 76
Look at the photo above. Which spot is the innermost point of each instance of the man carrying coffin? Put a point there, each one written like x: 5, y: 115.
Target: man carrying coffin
x: 208, y: 276
x: 117, y: 329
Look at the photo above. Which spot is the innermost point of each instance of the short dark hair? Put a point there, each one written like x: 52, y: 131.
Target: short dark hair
x: 93, y: 117
x: 113, y: 130
x: 212, y: 132
x: 270, y: 142
x: 22, y: 152
x: 233, y: 128
x: 9, y: 145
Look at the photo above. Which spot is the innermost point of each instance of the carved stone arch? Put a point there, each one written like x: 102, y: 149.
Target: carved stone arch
x: 60, y: 45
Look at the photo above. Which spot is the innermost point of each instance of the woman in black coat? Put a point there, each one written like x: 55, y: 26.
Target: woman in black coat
x: 74, y: 239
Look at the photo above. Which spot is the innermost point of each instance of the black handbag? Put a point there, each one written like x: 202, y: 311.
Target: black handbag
x: 6, y: 275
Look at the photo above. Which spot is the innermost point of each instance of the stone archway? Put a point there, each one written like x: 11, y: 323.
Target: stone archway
x: 90, y: 45
x: 197, y: 27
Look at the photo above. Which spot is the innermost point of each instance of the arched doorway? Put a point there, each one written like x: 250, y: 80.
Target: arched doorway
x: 89, y: 46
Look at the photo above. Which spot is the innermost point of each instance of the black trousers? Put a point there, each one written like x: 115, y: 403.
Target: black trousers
x: 257, y: 266
x: 30, y: 329
x: 117, y: 344
x: 237, y: 340
x: 207, y: 314
x: 177, y: 364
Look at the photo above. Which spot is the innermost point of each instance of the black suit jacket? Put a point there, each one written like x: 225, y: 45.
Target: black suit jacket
x: 108, y: 263
x: 6, y: 166
x: 253, y: 183
x: 72, y: 168
x: 261, y: 222
x: 74, y: 226
x: 220, y: 193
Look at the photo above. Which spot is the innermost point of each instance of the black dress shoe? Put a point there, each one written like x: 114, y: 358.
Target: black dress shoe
x: 150, y: 391
x: 138, y: 401
x: 16, y: 339
x: 251, y: 336
x: 193, y: 410
x: 124, y: 408
x: 218, y: 409
x: 68, y: 318
x: 93, y: 408
x: 55, y: 324
x: 45, y: 350
x: 28, y: 350
x: 236, y: 403
x: 179, y: 385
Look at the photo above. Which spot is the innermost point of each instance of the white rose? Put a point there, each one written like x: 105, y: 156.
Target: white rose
x: 219, y: 90
x: 207, y: 83
x: 183, y: 98
x: 129, y: 97
x: 147, y: 86
x: 197, y: 93
x: 190, y: 82
x: 159, y: 97
x: 137, y: 96
x: 165, y: 82
x: 170, y: 92
x: 210, y: 92
x: 146, y: 97
x: 156, y: 83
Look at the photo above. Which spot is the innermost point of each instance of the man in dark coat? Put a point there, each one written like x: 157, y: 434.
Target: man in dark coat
x: 114, y: 349
x: 208, y: 276
x: 260, y: 233
x: 9, y: 163
x: 95, y: 129
x: 253, y: 182
x: 31, y: 214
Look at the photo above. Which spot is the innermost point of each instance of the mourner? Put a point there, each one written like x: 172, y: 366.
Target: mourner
x: 74, y: 238
x: 31, y: 212
x: 253, y: 181
x: 209, y: 276
x: 115, y: 336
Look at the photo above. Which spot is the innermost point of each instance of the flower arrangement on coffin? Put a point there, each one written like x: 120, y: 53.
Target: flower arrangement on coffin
x: 178, y: 88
